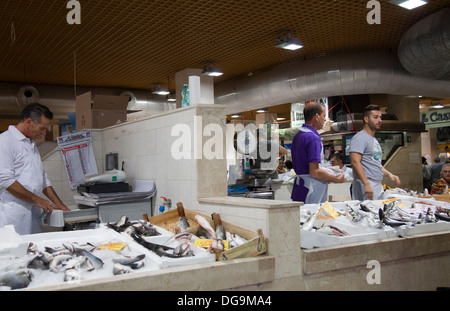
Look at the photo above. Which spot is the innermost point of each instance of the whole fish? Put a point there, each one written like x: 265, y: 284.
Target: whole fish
x: 120, y: 269
x: 96, y: 262
x: 127, y: 261
x: 205, y: 225
x: 72, y: 274
x: 182, y: 222
x: 57, y: 261
x: 310, y: 223
x: 16, y: 279
x: 220, y: 230
x: 388, y: 221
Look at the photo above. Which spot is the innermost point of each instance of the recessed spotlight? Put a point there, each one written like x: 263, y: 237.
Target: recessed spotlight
x: 408, y: 4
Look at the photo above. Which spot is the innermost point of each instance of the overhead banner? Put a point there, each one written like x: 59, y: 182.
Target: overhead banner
x: 78, y: 155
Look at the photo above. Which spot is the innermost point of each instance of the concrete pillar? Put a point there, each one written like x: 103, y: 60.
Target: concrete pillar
x: 206, y: 85
x: 406, y: 108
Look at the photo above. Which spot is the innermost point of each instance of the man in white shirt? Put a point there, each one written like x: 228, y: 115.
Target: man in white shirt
x: 22, y: 177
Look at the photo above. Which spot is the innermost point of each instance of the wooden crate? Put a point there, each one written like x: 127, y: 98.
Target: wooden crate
x: 438, y: 197
x: 256, y: 244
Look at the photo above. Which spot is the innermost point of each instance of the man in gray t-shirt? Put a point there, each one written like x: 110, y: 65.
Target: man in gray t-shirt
x: 365, y: 157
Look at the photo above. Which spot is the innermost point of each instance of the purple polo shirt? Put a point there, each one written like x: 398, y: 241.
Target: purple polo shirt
x: 306, y: 147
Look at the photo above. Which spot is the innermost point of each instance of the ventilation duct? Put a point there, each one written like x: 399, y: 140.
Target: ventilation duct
x: 347, y: 74
x: 132, y: 100
x: 424, y: 49
x: 27, y: 95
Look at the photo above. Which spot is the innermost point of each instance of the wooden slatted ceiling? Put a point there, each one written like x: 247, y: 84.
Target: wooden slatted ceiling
x: 134, y: 44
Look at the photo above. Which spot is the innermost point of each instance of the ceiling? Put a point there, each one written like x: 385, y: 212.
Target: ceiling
x: 135, y: 44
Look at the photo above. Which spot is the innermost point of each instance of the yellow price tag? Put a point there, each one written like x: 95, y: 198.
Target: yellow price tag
x: 389, y: 201
x: 327, y: 207
x: 205, y: 243
x: 113, y: 246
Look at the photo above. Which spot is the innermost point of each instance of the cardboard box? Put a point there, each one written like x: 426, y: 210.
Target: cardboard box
x: 106, y: 110
x: 255, y: 245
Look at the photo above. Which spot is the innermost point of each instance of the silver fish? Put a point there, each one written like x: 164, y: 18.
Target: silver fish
x: 310, y: 223
x: 57, y: 261
x: 72, y: 274
x: 16, y: 279
x: 120, y: 269
x: 96, y: 262
x: 127, y: 261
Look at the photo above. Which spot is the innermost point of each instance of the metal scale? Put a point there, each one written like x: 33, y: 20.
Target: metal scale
x: 255, y: 177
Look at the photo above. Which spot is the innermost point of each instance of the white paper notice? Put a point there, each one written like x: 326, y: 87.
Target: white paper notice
x: 78, y: 155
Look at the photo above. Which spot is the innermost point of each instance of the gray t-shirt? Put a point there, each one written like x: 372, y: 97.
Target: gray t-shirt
x: 370, y: 149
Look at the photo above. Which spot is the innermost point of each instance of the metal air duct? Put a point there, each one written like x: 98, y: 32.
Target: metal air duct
x: 424, y: 49
x: 347, y: 74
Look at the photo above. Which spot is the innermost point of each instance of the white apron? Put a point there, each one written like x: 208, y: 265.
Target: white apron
x: 317, y: 189
x: 23, y: 215
x: 358, y: 190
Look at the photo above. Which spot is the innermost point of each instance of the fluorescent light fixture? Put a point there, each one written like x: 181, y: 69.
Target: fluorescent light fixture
x: 171, y: 98
x: 408, y: 4
x: 208, y: 70
x: 236, y: 115
x: 262, y: 110
x: 160, y: 90
x: 285, y: 41
x: 281, y: 119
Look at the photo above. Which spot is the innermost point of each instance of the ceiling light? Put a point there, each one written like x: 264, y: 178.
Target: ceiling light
x: 281, y: 119
x: 160, y: 90
x: 211, y: 71
x: 262, y: 110
x: 285, y: 41
x: 408, y: 4
x: 236, y: 115
x: 171, y: 98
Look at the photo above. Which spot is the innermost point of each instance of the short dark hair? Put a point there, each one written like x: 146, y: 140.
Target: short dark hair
x: 35, y: 112
x: 288, y: 164
x: 338, y: 156
x: 311, y: 109
x: 369, y: 109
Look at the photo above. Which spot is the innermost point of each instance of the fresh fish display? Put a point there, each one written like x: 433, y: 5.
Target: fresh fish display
x: 140, y: 227
x: 368, y: 216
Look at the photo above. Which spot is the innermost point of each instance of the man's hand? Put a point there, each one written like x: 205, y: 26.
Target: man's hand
x: 46, y: 205
x: 368, y: 191
x: 395, y: 179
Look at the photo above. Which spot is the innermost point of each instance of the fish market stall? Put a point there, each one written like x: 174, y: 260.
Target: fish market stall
x: 46, y: 260
x: 340, y: 223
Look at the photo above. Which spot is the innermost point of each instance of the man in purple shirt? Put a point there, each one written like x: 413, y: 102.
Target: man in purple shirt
x: 311, y: 185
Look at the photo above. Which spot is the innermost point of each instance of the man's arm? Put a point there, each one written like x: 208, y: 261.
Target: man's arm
x: 51, y: 194
x: 316, y: 172
x: 392, y: 177
x: 20, y: 192
x: 355, y: 160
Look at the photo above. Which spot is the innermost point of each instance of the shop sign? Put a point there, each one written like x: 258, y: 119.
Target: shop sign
x: 435, y: 118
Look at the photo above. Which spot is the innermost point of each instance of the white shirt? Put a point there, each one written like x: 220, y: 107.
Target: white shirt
x: 20, y: 161
x: 14, y: 149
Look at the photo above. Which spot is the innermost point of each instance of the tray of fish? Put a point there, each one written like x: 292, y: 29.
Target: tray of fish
x: 181, y: 251
x: 166, y: 249
x: 360, y: 221
x: 73, y: 256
